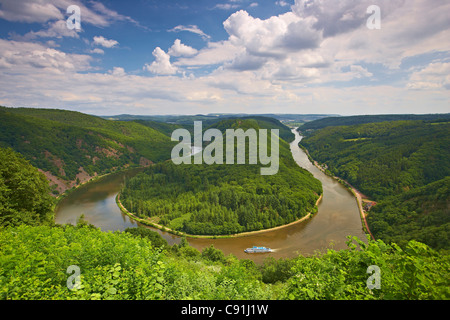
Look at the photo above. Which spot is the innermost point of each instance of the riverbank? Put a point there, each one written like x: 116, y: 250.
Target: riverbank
x: 93, y: 179
x: 358, y: 195
x: 183, y: 234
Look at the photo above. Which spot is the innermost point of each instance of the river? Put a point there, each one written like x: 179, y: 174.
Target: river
x: 337, y: 217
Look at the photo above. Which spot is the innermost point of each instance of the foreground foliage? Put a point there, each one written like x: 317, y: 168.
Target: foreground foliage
x: 121, y: 265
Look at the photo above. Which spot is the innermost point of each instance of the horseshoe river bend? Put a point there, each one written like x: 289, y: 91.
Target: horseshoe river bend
x: 338, y: 216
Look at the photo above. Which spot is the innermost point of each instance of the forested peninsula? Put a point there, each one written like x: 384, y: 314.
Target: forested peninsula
x: 222, y: 199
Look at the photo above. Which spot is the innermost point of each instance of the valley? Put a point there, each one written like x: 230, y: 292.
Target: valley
x: 328, y: 226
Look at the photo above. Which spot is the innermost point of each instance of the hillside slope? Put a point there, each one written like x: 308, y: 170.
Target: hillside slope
x: 401, y: 165
x: 71, y: 147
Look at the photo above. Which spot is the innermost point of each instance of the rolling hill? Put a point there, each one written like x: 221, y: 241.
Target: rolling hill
x: 72, y: 147
x: 402, y: 165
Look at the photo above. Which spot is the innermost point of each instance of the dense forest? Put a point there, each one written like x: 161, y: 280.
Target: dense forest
x: 223, y: 199
x: 72, y: 146
x: 40, y: 259
x: 363, y: 119
x: 187, y: 122
x: 403, y: 165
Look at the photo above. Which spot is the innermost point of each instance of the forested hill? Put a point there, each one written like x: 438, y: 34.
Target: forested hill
x: 212, y: 122
x: 71, y: 147
x: 403, y: 165
x: 255, y: 122
x: 223, y: 198
x: 363, y: 119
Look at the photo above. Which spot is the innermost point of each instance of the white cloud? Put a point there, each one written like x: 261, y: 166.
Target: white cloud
x: 272, y: 37
x: 434, y: 76
x: 100, y: 40
x: 161, y: 65
x: 226, y: 6
x: 42, y: 11
x: 190, y: 28
x: 28, y: 59
x: 111, y: 15
x: 336, y: 17
x: 97, y: 51
x: 360, y: 72
x: 178, y: 49
x: 214, y: 53
x: 55, y: 29
x: 117, y: 71
x: 282, y: 3
x: 408, y: 29
x: 29, y: 11
x: 242, y: 83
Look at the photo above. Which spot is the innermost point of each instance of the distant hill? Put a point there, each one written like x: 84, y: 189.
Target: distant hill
x: 353, y: 120
x: 261, y: 122
x: 255, y: 122
x: 215, y: 117
x: 71, y: 147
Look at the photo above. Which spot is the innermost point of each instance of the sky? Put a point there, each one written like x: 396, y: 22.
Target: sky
x: 152, y: 57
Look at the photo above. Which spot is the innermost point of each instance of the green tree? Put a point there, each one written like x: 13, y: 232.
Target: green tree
x: 212, y: 254
x: 24, y: 192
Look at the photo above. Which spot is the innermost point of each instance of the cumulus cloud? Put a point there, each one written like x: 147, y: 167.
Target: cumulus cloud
x: 107, y: 43
x: 27, y: 57
x: 408, y: 29
x: 336, y: 17
x: 245, y: 61
x: 161, y: 65
x: 178, y: 49
x: 273, y: 36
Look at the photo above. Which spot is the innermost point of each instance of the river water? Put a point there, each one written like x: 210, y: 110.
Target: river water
x: 337, y: 217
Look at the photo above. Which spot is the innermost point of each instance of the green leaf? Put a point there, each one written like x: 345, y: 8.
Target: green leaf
x: 111, y: 291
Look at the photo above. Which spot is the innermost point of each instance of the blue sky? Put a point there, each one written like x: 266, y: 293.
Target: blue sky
x: 208, y: 56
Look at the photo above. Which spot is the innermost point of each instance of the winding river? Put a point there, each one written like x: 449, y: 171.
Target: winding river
x: 337, y: 217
